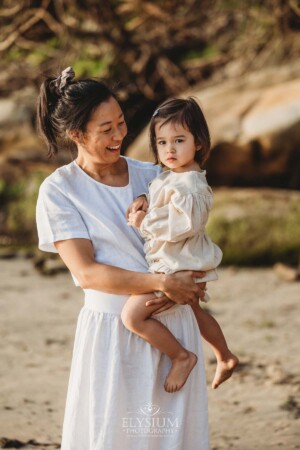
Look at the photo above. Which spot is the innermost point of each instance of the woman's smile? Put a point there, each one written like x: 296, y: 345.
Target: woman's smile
x: 114, y: 149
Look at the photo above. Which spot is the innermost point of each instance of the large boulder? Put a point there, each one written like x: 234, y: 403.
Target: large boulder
x: 256, y: 226
x: 254, y: 123
x: 17, y: 134
x: 21, y: 149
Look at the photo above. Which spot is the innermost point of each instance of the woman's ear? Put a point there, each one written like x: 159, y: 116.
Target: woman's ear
x: 75, y: 136
x: 198, y: 147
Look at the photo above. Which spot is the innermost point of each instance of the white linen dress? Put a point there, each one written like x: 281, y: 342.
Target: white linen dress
x: 116, y: 399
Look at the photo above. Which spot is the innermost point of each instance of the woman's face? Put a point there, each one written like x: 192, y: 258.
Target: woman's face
x: 105, y: 131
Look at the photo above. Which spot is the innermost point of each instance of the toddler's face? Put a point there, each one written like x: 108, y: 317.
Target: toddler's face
x: 176, y: 146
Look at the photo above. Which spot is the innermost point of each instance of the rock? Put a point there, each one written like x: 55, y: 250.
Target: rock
x: 277, y: 375
x: 8, y: 253
x: 17, y: 122
x: 287, y: 273
x: 16, y: 443
x: 54, y: 266
x: 256, y: 226
x: 292, y: 406
x: 277, y: 109
x: 48, y: 264
x: 20, y: 144
x: 254, y: 123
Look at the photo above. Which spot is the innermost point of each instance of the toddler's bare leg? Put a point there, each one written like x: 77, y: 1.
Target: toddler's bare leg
x: 212, y: 333
x: 136, y: 317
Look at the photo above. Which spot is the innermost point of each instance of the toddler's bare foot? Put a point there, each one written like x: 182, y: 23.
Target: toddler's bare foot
x: 180, y: 370
x: 224, y: 370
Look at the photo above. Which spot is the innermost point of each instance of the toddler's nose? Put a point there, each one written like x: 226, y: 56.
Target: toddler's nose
x: 171, y: 148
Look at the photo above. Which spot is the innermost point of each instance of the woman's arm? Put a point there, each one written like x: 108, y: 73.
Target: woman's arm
x: 78, y: 255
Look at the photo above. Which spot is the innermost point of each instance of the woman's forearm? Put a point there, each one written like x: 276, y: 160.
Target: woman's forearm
x: 115, y: 280
x: 78, y: 255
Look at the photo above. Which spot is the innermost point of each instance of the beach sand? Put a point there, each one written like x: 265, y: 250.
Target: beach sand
x: 257, y: 409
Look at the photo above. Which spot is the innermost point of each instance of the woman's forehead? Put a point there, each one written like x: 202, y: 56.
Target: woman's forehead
x: 106, y: 112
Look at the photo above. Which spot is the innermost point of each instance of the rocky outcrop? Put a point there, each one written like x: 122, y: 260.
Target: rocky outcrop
x: 21, y: 149
x: 18, y: 139
x: 254, y: 123
x: 252, y: 226
x: 256, y: 226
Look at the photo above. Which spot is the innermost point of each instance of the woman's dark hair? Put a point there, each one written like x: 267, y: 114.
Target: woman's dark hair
x: 187, y: 113
x: 64, y: 104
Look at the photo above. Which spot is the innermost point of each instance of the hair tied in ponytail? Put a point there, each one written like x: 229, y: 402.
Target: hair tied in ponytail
x: 63, y: 80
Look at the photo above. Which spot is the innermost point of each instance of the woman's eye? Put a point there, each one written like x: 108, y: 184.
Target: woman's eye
x: 122, y: 123
x: 107, y: 131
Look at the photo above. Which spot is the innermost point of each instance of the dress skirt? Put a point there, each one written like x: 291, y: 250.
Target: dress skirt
x: 116, y: 398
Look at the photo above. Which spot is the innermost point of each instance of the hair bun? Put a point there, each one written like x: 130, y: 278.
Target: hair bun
x: 63, y: 80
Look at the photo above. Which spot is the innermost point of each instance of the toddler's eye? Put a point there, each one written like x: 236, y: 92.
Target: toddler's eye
x: 179, y: 141
x: 161, y: 142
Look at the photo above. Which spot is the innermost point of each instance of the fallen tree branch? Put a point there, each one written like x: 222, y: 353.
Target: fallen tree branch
x: 9, y: 12
x: 38, y: 14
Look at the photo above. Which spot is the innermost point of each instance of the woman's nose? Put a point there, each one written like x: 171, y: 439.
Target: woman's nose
x: 119, y: 134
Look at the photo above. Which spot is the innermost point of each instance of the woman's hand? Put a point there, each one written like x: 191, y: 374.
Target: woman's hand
x: 139, y: 204
x: 181, y: 288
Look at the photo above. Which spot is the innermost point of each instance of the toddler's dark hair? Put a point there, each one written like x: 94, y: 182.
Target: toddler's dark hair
x: 70, y: 108
x: 187, y: 113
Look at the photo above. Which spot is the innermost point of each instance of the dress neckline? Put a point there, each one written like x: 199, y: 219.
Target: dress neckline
x: 201, y: 172
x: 103, y: 184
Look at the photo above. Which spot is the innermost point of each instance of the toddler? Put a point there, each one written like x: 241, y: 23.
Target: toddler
x: 173, y: 227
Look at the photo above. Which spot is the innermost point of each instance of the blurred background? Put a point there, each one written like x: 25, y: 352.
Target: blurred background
x: 241, y: 60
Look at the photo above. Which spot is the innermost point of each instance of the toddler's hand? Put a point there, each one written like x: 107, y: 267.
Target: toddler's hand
x: 135, y: 219
x: 139, y: 204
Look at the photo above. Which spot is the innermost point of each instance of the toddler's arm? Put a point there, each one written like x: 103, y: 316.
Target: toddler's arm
x: 139, y: 204
x: 135, y: 219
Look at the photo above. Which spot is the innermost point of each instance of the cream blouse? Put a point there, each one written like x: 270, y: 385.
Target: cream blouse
x: 174, y: 226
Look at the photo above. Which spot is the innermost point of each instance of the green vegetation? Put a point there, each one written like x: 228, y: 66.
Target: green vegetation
x: 206, y: 53
x: 91, y: 68
x: 9, y: 191
x: 252, y: 227
x: 256, y: 229
x: 18, y: 200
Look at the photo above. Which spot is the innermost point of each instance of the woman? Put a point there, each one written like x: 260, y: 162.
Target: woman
x: 116, y: 399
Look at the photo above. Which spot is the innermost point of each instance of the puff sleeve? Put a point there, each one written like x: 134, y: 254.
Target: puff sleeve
x: 57, y: 217
x: 183, y: 217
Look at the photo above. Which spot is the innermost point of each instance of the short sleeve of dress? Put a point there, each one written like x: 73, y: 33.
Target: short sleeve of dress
x: 57, y: 217
x: 183, y: 217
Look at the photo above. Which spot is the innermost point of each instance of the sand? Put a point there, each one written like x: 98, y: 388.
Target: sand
x: 257, y: 409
